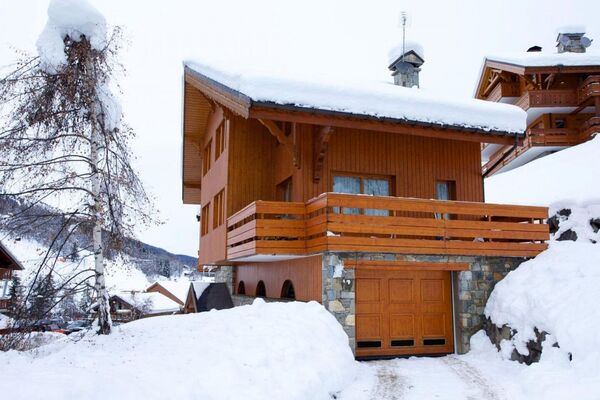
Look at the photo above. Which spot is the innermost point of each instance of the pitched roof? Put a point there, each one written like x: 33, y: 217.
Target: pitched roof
x: 178, y: 289
x: 379, y: 100
x: 156, y: 302
x: 547, y: 59
x: 8, y: 259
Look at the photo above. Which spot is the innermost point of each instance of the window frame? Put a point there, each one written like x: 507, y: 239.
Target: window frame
x: 221, y: 138
x: 204, y: 220
x: 362, y: 177
x: 218, y: 209
x: 206, y: 158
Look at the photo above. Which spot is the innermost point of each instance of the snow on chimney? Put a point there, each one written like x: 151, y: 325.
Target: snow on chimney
x: 406, y: 66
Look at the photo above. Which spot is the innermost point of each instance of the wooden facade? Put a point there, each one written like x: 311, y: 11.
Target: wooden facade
x: 573, y: 91
x: 8, y: 264
x: 279, y: 187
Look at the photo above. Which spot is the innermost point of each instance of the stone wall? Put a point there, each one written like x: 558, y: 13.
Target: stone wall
x: 224, y: 274
x: 339, y: 294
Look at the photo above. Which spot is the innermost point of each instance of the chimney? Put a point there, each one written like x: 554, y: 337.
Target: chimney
x: 572, y: 41
x: 406, y: 67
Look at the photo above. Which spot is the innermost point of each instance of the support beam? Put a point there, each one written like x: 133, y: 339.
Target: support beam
x: 282, y: 139
x: 320, y: 145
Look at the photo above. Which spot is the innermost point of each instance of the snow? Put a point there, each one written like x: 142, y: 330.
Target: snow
x: 5, y: 321
x: 567, y: 178
x: 199, y: 288
x: 396, y: 52
x: 73, y: 18
x: 375, y: 99
x: 155, y: 302
x: 547, y: 59
x: 293, y: 350
x: 571, y: 29
x: 556, y: 292
x: 178, y: 288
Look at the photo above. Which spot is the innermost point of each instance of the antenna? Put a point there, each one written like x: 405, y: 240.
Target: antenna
x: 403, y: 20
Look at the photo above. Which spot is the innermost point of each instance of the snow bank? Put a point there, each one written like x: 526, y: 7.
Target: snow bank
x: 263, y: 351
x: 567, y: 178
x: 73, y: 18
x: 377, y: 99
x: 556, y: 292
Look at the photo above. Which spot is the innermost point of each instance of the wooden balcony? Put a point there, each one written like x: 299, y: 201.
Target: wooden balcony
x: 589, y: 88
x: 548, y: 98
x: 504, y: 89
x: 553, y: 137
x: 358, y: 223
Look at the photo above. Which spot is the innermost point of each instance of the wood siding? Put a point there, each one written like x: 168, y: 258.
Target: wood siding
x: 305, y: 274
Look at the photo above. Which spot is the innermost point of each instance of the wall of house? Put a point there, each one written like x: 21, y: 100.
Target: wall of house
x: 305, y: 274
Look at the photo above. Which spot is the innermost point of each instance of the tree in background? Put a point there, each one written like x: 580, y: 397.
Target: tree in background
x: 64, y: 142
x: 43, y: 297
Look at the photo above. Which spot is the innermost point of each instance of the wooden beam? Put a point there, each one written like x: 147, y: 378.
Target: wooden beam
x: 396, y: 265
x: 321, y: 144
x: 549, y: 80
x: 282, y: 139
x: 337, y: 121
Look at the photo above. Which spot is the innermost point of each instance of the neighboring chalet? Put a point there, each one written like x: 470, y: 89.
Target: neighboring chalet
x: 131, y: 305
x: 206, y: 296
x: 366, y: 198
x: 8, y: 264
x: 560, y: 92
x: 174, y: 290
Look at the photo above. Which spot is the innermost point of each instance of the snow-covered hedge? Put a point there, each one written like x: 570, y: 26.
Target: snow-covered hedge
x: 262, y: 351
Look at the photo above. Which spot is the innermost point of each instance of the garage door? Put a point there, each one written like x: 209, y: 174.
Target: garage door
x: 403, y: 312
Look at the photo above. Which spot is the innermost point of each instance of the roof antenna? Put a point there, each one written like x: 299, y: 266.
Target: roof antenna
x: 403, y: 18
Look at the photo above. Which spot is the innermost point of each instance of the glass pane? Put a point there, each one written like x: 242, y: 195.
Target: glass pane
x: 377, y: 187
x: 442, y: 192
x: 346, y: 184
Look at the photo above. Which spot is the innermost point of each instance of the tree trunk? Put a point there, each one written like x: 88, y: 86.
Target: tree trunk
x: 104, y: 320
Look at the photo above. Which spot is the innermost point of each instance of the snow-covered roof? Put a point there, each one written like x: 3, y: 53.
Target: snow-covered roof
x: 547, y: 59
x: 178, y: 289
x: 7, y: 253
x: 156, y: 302
x: 200, y: 287
x: 380, y: 100
x: 396, y: 51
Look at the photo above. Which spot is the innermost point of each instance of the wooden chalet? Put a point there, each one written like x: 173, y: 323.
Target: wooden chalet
x: 8, y: 264
x: 128, y: 306
x: 296, y: 180
x: 559, y: 91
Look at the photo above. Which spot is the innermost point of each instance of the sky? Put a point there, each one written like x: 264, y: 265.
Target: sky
x: 347, y: 39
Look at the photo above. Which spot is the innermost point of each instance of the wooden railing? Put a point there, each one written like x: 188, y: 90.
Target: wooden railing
x: 547, y: 98
x: 504, y: 89
x: 358, y: 223
x: 553, y: 137
x: 589, y: 88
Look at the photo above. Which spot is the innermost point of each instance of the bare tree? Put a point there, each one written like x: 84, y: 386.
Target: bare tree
x: 63, y: 141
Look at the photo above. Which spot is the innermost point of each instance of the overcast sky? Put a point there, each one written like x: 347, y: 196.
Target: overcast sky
x: 308, y: 37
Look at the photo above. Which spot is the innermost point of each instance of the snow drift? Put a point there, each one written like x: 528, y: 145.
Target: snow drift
x: 262, y: 351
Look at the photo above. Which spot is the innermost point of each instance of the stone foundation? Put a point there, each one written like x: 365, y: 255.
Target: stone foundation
x: 224, y: 274
x: 339, y: 294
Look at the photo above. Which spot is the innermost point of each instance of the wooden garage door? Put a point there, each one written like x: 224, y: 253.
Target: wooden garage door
x: 403, y: 312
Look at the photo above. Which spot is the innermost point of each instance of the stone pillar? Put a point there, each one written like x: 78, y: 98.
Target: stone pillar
x: 224, y: 273
x: 339, y: 294
x: 473, y: 290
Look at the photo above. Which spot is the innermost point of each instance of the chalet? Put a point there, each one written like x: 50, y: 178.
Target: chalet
x: 367, y: 198
x: 560, y: 92
x: 131, y: 305
x: 174, y: 290
x: 8, y: 264
x: 206, y: 296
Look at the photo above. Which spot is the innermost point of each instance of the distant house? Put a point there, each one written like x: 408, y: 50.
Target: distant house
x: 206, y: 296
x: 560, y: 91
x: 129, y: 306
x: 175, y: 290
x: 8, y: 264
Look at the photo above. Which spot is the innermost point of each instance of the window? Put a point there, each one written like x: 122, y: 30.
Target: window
x: 287, y: 291
x: 284, y: 190
x: 206, y: 158
x: 374, y: 186
x: 445, y: 190
x: 261, y: 291
x: 220, y: 137
x: 204, y: 220
x: 4, y: 288
x: 219, y: 209
x: 559, y: 123
x: 241, y: 288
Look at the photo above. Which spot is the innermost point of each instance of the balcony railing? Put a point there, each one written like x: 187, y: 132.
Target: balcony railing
x: 359, y: 223
x: 553, y: 137
x: 547, y: 98
x: 589, y: 88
